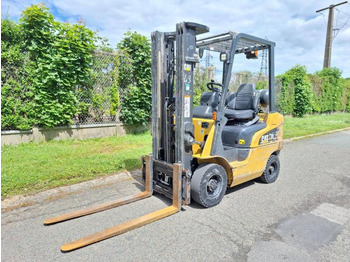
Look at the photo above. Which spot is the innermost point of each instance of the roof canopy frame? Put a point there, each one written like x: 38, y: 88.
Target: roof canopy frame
x: 234, y: 43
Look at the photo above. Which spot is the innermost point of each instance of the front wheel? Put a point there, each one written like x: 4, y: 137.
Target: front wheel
x: 272, y: 170
x: 208, y: 184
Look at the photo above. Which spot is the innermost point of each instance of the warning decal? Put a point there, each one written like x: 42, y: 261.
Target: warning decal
x: 187, y: 103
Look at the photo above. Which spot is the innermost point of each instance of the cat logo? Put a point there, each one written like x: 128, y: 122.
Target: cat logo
x: 241, y: 142
x: 269, y: 137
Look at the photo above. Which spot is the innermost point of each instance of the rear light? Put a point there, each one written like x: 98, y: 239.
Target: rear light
x: 214, y: 115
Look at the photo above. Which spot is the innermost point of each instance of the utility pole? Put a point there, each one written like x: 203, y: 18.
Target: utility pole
x: 329, y: 36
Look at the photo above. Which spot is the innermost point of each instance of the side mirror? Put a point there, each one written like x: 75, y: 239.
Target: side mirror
x: 201, y: 52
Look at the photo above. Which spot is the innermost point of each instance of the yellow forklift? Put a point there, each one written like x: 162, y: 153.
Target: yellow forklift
x: 197, y: 153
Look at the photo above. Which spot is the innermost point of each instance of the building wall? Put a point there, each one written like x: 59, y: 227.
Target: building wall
x: 14, y: 137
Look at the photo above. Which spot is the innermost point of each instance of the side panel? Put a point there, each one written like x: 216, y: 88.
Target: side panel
x: 273, y: 121
x: 259, y: 153
x: 202, y: 129
x: 254, y: 166
x: 264, y: 143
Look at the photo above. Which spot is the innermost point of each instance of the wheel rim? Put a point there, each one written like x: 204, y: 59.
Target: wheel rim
x: 272, y: 171
x: 214, y: 185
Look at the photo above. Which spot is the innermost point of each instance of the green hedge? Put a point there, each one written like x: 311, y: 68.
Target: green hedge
x: 134, y: 72
x: 322, y: 92
x: 43, y: 61
x: 16, y: 98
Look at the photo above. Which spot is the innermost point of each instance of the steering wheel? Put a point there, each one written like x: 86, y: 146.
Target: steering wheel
x: 211, y: 85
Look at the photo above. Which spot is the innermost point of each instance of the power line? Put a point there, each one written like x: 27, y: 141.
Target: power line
x: 346, y: 23
x: 336, y: 20
x: 343, y: 21
x: 342, y: 11
x: 337, y: 30
x: 324, y: 20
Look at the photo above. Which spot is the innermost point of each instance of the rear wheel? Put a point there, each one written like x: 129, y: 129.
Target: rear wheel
x: 208, y: 184
x: 272, y: 170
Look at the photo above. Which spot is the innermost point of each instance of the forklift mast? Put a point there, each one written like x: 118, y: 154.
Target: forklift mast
x: 174, y: 57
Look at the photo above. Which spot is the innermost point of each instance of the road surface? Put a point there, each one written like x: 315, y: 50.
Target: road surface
x: 303, y: 216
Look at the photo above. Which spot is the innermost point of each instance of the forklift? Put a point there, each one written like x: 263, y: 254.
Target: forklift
x: 197, y: 153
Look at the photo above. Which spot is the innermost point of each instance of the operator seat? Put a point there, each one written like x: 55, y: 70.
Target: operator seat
x: 208, y: 104
x: 244, y: 106
x: 242, y: 110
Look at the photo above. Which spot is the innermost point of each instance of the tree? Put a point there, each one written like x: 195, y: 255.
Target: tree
x: 60, y: 58
x: 135, y: 73
x: 332, y: 89
x: 16, y: 98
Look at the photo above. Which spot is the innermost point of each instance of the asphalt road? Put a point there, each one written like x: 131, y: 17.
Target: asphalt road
x: 303, y: 216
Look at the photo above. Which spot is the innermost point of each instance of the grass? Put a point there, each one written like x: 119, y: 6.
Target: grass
x: 29, y: 168
x: 294, y: 127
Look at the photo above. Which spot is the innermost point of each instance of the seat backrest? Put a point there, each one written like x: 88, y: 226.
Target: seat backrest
x: 246, y: 98
x: 210, y: 99
x: 230, y: 97
x: 208, y: 104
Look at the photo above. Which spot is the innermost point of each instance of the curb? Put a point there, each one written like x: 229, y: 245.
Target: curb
x: 286, y: 141
x: 19, y: 201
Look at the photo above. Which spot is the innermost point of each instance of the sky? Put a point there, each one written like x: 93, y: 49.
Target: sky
x: 298, y: 31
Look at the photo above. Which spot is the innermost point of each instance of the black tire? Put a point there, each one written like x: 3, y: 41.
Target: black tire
x: 272, y: 170
x: 208, y: 184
